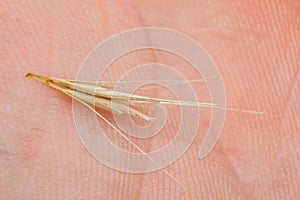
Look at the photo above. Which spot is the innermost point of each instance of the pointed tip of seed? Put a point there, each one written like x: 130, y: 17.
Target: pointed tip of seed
x: 38, y: 77
x: 29, y: 74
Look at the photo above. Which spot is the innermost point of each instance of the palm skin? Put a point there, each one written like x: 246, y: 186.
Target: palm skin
x: 255, y: 46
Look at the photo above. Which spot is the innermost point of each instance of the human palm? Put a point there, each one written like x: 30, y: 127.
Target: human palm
x: 256, y: 48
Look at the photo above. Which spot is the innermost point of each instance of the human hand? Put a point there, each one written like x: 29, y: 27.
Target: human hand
x: 255, y: 46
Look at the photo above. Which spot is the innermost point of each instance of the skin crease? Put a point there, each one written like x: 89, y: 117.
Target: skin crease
x: 255, y: 45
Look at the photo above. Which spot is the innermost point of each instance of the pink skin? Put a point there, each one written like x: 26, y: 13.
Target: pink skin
x: 256, y: 49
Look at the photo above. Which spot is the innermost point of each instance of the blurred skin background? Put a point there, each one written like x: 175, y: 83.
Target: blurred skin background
x: 255, y: 45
